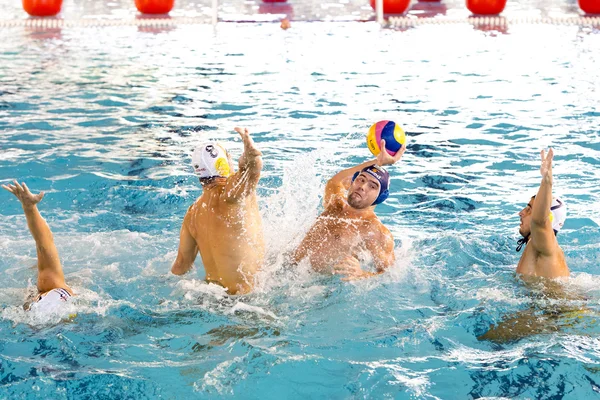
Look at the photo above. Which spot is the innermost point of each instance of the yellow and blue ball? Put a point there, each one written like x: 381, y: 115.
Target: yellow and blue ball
x: 389, y: 131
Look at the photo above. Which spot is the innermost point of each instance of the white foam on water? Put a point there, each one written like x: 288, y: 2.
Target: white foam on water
x: 160, y: 265
x: 477, y: 358
x: 61, y: 177
x: 13, y: 296
x: 287, y: 215
x: 499, y: 294
x: 212, y: 380
x: 11, y: 155
x: 246, y: 308
x: 585, y: 283
x: 416, y: 381
x: 191, y: 289
x: 214, y: 298
x: 290, y: 212
x: 582, y: 348
x: 84, y: 301
x: 37, y: 318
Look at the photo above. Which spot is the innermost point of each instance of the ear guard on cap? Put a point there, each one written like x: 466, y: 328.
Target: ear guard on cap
x: 383, y: 194
x: 558, y: 214
x: 382, y: 197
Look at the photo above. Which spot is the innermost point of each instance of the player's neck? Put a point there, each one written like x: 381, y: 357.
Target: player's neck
x: 352, y: 212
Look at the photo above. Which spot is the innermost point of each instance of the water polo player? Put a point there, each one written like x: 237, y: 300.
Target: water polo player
x: 349, y: 227
x: 53, y: 292
x: 541, y: 220
x: 224, y: 223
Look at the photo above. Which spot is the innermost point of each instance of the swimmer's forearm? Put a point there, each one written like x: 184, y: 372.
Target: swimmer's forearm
x: 37, y: 225
x: 543, y: 201
x: 187, y: 251
x: 344, y: 174
x: 251, y: 157
x: 251, y: 162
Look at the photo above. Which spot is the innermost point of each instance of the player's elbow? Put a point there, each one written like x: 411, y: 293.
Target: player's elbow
x: 253, y: 163
x: 179, y: 267
x: 176, y: 270
x: 257, y: 163
x: 255, y: 169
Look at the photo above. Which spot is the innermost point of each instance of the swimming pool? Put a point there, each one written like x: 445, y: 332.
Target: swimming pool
x: 104, y: 120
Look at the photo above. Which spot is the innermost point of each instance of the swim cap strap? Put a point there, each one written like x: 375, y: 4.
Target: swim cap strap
x: 522, y: 242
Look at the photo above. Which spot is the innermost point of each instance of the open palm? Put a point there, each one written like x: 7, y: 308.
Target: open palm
x: 249, y: 146
x: 546, y: 167
x: 21, y: 191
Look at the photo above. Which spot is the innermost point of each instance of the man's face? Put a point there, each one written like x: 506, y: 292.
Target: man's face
x: 525, y: 214
x: 363, y: 191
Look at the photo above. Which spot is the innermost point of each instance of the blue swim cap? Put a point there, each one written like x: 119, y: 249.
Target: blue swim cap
x: 382, y: 176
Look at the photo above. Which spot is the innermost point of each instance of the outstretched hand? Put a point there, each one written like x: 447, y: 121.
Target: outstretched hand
x: 384, y: 158
x: 546, y: 167
x: 22, y: 193
x: 249, y: 147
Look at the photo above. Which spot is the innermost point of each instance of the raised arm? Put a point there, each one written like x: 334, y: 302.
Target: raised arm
x: 50, y: 273
x: 543, y: 238
x: 340, y: 182
x: 245, y: 180
x: 188, y: 249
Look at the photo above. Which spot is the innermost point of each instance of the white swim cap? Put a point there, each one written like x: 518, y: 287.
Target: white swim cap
x: 210, y: 160
x: 558, y: 213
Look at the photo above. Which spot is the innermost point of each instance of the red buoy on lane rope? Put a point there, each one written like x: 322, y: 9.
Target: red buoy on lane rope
x: 42, y: 8
x: 486, y: 7
x: 393, y: 6
x: 590, y: 6
x: 154, y: 6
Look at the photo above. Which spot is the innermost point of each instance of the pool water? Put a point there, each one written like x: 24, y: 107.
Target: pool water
x: 104, y: 121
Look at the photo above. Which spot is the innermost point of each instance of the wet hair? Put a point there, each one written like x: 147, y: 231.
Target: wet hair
x: 207, y: 181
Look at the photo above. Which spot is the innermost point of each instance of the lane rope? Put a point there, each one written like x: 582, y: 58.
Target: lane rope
x: 402, y: 21
x: 92, y: 23
x: 407, y: 22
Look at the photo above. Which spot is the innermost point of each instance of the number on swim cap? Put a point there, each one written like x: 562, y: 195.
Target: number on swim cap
x: 389, y: 131
x: 212, y: 151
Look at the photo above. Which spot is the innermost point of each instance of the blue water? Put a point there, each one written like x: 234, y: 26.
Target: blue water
x: 104, y: 121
